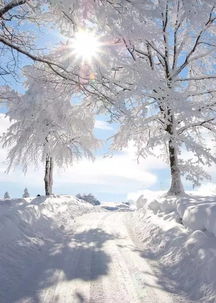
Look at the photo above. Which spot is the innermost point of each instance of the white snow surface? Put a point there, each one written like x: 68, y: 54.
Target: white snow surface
x: 196, y: 212
x: 46, y: 256
x: 61, y: 249
x: 178, y: 236
x: 28, y: 229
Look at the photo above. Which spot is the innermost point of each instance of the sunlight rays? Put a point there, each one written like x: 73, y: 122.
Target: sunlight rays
x: 85, y: 46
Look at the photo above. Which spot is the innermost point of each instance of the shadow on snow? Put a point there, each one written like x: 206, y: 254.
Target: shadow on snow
x: 78, y: 256
x: 176, y: 264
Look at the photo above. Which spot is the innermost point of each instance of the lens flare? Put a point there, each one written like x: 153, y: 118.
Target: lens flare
x: 85, y: 46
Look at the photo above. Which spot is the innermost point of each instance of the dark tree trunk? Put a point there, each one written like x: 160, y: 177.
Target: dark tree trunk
x: 48, y: 178
x: 176, y: 187
x: 51, y: 175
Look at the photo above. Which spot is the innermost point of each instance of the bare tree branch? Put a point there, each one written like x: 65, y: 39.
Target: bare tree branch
x: 196, y: 124
x: 11, y: 5
x: 193, y: 94
x: 205, y: 77
x: 196, y: 43
x: 51, y: 64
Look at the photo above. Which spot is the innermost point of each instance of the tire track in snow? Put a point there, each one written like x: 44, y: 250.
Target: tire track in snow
x: 76, y: 290
x: 143, y: 286
x: 128, y: 272
x: 100, y: 264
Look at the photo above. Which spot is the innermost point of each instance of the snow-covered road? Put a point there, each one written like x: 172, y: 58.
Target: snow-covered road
x: 98, y: 263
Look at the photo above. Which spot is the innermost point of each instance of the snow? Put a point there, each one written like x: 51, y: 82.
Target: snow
x: 61, y: 249
x: 196, y: 212
x: 29, y: 228
x: 94, y: 261
x: 178, y: 236
x: 201, y: 217
x: 47, y: 257
x: 117, y: 206
x: 157, y: 79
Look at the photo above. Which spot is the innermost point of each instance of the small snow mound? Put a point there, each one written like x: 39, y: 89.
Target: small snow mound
x: 161, y: 203
x: 141, y: 202
x: 165, y: 204
x: 195, y: 241
x: 201, y: 217
x: 181, y: 205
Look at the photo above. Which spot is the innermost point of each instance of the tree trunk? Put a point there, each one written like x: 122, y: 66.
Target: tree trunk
x: 176, y: 187
x: 51, y: 176
x: 48, y: 178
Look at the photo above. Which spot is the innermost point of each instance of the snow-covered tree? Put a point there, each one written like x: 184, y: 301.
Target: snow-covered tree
x: 26, y: 193
x: 157, y: 76
x: 6, y: 195
x: 47, y: 127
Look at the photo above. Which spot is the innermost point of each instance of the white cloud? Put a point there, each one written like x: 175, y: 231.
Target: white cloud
x: 150, y: 163
x: 119, y: 170
x: 100, y: 124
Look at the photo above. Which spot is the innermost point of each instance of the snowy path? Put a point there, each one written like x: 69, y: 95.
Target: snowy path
x: 99, y: 263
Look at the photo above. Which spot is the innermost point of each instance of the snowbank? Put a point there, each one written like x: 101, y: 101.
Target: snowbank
x: 41, y: 214
x: 195, y: 212
x: 29, y: 230
x: 182, y: 255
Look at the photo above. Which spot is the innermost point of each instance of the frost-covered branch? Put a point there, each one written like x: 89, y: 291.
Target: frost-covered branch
x: 9, y: 6
x: 197, y: 124
x: 200, y: 78
x: 196, y: 43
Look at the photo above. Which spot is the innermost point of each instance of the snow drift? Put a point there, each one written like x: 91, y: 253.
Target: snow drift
x: 29, y: 230
x: 179, y: 233
x: 195, y: 212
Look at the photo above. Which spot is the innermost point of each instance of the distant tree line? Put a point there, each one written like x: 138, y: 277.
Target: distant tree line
x: 25, y: 194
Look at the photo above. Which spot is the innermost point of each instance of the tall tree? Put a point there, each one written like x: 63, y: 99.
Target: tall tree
x: 157, y: 75
x: 47, y: 127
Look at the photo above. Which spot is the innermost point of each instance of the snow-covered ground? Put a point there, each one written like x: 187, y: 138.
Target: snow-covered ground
x: 50, y: 258
x: 61, y: 249
x: 178, y: 237
x: 29, y: 229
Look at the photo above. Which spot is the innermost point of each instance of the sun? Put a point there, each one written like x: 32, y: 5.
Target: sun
x: 85, y: 45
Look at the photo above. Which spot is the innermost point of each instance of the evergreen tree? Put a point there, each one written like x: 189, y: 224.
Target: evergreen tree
x: 26, y: 193
x: 6, y: 195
